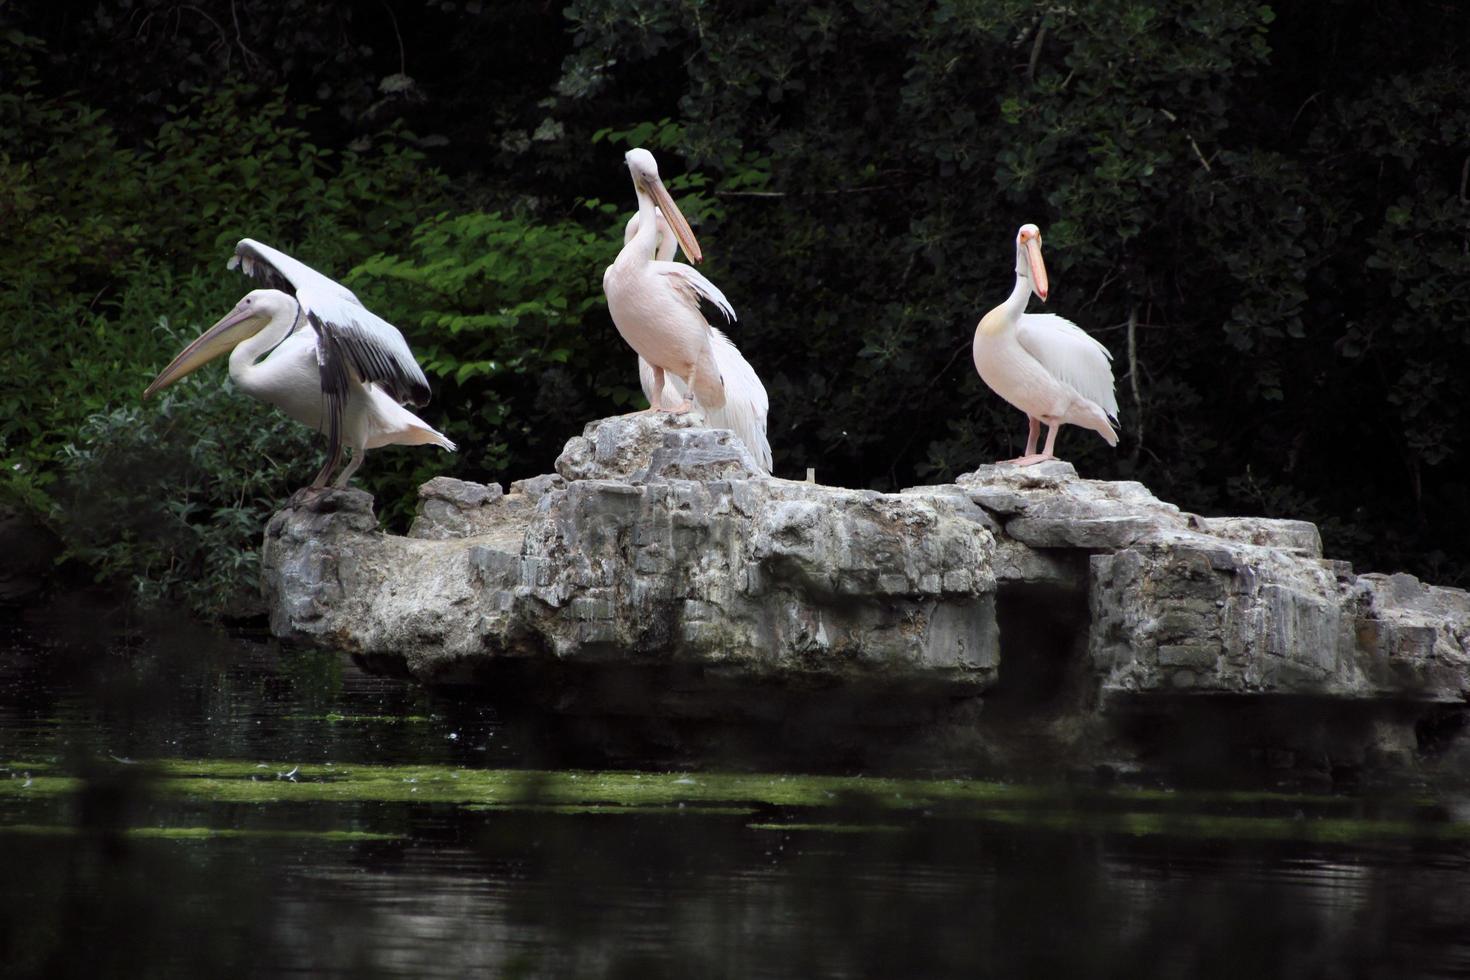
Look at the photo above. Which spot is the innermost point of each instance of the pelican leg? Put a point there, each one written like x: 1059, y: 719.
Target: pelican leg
x: 1046, y: 454
x: 357, y: 456
x: 655, y: 403
x: 1033, y: 431
x: 688, y: 401
x: 319, y: 482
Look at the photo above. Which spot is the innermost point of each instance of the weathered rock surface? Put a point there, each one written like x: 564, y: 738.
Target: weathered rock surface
x: 658, y: 544
x: 661, y: 542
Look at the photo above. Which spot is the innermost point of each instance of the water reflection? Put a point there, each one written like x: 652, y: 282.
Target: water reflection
x: 727, y: 879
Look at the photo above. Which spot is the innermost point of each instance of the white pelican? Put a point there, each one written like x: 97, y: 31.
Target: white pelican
x: 1042, y: 364
x: 655, y: 303
x: 746, y: 404
x: 310, y: 348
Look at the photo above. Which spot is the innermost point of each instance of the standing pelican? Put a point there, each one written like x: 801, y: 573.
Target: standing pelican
x: 310, y: 348
x: 1042, y: 364
x: 655, y: 303
x: 746, y: 404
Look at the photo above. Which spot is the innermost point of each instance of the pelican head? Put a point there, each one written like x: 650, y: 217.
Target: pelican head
x: 646, y: 181
x: 1028, y: 260
x: 258, y: 308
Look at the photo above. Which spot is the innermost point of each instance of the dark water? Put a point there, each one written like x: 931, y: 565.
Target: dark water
x: 177, y: 803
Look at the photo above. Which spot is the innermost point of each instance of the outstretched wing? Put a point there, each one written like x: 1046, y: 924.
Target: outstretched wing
x: 1071, y: 356
x: 354, y: 341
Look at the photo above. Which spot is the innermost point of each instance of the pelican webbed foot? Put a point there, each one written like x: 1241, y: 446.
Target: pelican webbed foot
x: 306, y: 496
x: 1030, y: 460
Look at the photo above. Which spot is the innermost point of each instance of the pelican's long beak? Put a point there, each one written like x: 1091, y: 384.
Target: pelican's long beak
x: 675, y: 217
x: 219, y: 339
x: 1039, y: 284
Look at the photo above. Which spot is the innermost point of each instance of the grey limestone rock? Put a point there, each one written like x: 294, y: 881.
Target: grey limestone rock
x: 1047, y: 506
x: 450, y: 508
x: 1412, y: 638
x: 536, y: 487
x: 619, y: 447
x: 1300, y: 537
x: 659, y: 542
x: 1200, y: 614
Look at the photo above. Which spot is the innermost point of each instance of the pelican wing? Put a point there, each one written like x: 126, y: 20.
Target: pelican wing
x: 1071, y: 356
x: 746, y: 403
x: 746, y: 407
x: 692, y: 284
x: 353, y: 341
x: 277, y: 270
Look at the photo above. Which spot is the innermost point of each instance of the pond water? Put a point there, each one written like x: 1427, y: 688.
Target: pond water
x: 176, y: 802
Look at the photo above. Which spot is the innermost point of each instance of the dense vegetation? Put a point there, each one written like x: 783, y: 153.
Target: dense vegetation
x: 1263, y: 213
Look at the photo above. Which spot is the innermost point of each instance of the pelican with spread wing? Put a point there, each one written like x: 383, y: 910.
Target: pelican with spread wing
x: 308, y: 346
x: 746, y: 403
x: 1044, y: 365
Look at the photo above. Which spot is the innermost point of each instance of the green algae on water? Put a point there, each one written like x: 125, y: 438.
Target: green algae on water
x: 861, y: 801
x: 202, y: 833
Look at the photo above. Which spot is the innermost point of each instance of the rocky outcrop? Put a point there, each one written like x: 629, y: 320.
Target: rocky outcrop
x: 656, y: 542
x: 1080, y: 604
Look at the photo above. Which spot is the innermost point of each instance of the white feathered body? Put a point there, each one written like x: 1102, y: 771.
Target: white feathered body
x: 289, y: 378
x: 1049, y: 368
x: 657, y: 313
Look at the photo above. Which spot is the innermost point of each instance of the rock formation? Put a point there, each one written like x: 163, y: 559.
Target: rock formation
x: 1014, y: 611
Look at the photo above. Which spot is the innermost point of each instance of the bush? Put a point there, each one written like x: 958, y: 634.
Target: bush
x: 172, y: 495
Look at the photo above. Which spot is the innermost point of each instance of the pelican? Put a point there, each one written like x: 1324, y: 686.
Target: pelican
x: 309, y: 347
x: 746, y: 403
x: 1044, y: 365
x: 655, y: 303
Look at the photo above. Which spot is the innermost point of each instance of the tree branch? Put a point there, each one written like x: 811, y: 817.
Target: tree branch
x: 402, y: 59
x: 250, y: 56
x: 224, y: 39
x: 834, y: 190
x: 1035, y: 53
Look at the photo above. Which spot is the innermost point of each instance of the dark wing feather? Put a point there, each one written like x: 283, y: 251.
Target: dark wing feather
x: 347, y: 350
